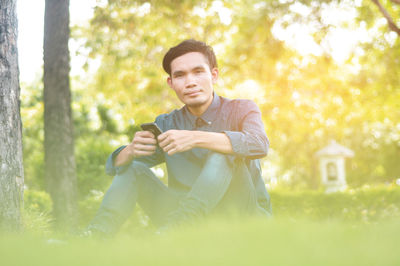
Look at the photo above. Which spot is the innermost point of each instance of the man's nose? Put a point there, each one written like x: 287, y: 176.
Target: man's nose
x: 190, y: 81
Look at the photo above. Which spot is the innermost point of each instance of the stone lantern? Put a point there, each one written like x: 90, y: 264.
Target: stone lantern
x: 332, y: 166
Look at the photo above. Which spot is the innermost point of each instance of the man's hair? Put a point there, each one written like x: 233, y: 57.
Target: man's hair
x: 189, y: 46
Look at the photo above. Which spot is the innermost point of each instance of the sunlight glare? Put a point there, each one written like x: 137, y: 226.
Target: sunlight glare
x: 30, y: 35
x: 30, y: 38
x: 249, y: 89
x: 223, y: 12
x: 297, y: 36
x: 340, y: 41
x: 301, y: 9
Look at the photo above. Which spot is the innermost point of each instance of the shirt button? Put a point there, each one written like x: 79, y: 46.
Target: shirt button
x: 199, y: 122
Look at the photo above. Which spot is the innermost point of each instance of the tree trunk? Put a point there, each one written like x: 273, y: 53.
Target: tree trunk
x: 58, y: 125
x: 11, y: 167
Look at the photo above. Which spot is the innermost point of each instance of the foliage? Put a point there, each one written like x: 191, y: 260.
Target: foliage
x: 37, y: 200
x: 89, y: 205
x: 365, y: 204
x: 37, y: 223
x: 36, y: 213
x: 33, y: 133
x: 91, y: 157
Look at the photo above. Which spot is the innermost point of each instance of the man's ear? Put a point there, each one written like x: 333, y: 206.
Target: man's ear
x: 169, y: 81
x: 214, y: 75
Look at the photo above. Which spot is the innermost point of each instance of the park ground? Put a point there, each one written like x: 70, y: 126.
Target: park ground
x: 308, y: 228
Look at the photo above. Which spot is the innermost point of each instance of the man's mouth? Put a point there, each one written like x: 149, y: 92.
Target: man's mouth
x: 192, y: 93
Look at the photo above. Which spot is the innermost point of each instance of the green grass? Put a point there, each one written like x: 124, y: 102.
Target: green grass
x: 219, y: 242
x: 357, y: 227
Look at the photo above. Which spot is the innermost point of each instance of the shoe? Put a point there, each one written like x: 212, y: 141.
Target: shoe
x: 93, y: 232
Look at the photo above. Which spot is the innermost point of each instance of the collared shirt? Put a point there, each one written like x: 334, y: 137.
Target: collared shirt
x: 239, y: 119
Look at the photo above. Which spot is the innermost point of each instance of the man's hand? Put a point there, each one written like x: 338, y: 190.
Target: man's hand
x: 174, y: 141
x: 143, y: 144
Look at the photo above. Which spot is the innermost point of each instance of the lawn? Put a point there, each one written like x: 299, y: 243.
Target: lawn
x: 255, y: 241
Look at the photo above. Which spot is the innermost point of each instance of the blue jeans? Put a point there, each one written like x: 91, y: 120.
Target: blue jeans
x: 220, y: 186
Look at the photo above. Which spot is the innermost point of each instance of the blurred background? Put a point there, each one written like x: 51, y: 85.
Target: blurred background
x: 319, y: 71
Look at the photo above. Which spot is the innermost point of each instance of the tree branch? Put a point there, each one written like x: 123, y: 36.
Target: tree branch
x: 389, y: 19
x: 396, y: 1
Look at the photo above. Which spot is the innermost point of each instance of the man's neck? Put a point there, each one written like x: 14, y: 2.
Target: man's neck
x: 199, y: 110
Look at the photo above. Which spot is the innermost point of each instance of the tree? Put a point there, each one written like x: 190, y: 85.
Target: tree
x: 11, y: 167
x: 392, y: 25
x: 58, y: 125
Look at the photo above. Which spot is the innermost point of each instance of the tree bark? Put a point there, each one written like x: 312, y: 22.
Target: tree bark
x: 391, y: 23
x: 11, y: 164
x: 58, y: 124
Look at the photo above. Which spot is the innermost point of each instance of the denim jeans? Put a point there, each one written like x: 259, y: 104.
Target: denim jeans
x: 220, y: 186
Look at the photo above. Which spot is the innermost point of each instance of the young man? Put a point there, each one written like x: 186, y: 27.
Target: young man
x: 211, y: 147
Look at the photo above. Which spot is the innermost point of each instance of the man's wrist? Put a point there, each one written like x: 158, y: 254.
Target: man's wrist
x: 129, y: 152
x: 197, y: 138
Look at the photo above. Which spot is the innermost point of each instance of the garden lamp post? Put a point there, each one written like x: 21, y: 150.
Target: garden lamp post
x: 332, y: 166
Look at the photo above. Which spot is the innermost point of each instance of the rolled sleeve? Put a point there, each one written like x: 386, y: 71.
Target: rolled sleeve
x: 110, y: 168
x: 248, y: 145
x: 150, y: 161
x: 251, y: 140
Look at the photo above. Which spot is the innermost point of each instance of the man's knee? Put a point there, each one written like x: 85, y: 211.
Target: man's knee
x: 139, y: 166
x: 218, y: 159
x: 217, y: 168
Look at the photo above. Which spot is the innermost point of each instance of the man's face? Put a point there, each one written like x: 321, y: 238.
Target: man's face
x: 192, y: 80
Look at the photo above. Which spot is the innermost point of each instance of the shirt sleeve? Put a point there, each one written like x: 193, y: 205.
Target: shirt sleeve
x: 250, y: 140
x: 150, y: 161
x: 110, y: 168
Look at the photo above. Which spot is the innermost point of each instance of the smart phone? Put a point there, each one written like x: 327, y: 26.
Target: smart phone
x: 152, y: 127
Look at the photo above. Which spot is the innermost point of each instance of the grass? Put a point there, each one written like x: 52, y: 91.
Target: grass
x: 254, y: 241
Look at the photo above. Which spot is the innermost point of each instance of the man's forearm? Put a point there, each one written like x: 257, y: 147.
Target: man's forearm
x: 124, y: 157
x: 218, y: 142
